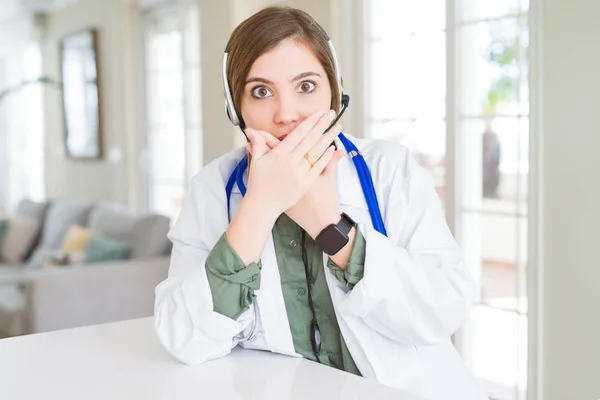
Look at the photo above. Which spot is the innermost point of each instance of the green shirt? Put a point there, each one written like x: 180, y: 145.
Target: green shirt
x: 232, y: 285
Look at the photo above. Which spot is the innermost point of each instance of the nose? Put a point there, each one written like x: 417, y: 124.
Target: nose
x: 287, y: 112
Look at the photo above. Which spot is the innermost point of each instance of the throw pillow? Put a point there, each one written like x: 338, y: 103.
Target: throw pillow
x: 102, y: 248
x: 76, y: 239
x: 3, y: 224
x: 71, y: 251
x: 19, y: 236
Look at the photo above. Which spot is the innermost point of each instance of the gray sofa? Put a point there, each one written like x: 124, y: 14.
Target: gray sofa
x: 34, y: 299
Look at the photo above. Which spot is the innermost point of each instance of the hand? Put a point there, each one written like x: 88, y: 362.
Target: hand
x: 278, y: 178
x: 319, y: 205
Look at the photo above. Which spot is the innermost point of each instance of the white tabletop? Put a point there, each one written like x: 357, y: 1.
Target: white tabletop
x: 124, y: 360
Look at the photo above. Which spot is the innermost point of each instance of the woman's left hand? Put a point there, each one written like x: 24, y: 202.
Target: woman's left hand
x: 319, y: 206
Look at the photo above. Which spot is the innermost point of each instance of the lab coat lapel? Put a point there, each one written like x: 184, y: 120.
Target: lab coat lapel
x: 350, y: 191
x: 271, y: 305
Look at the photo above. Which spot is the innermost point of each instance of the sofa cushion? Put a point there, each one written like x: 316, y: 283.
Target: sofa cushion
x: 32, y: 209
x: 150, y: 236
x: 36, y: 210
x: 146, y: 236
x: 40, y: 257
x: 113, y: 220
x: 59, y: 218
x: 19, y: 235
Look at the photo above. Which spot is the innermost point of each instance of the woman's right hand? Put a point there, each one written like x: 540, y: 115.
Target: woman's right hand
x: 279, y: 177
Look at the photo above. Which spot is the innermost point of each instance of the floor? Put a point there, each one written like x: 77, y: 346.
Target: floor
x: 498, y: 335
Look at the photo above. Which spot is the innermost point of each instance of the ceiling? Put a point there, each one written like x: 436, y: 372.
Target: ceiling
x: 11, y: 9
x: 45, y: 5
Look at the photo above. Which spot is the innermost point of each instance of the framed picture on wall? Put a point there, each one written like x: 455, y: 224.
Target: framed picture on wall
x: 81, y: 97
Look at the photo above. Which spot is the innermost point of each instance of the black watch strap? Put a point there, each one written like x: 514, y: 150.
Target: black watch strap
x: 345, y: 224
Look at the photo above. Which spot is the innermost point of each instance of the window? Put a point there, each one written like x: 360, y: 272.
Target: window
x: 173, y: 126
x: 21, y: 126
x: 441, y: 72
x: 405, y: 69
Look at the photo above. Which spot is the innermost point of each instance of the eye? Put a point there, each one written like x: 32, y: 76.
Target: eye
x: 260, y: 92
x: 307, y: 87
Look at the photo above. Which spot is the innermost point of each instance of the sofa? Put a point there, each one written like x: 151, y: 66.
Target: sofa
x: 37, y: 298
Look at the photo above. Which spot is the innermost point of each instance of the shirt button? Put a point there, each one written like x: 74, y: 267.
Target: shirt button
x: 301, y: 291
x: 293, y: 243
x: 254, y: 277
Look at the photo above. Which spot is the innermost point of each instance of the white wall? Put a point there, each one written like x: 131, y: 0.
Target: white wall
x: 570, y: 85
x: 94, y: 179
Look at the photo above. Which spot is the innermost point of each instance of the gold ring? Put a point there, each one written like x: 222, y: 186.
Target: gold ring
x: 312, y: 164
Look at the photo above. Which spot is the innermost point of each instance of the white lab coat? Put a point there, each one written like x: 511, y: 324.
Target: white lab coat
x: 397, y: 321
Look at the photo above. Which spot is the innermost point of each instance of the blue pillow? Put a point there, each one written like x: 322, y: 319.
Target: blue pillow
x: 102, y: 248
x: 3, y: 224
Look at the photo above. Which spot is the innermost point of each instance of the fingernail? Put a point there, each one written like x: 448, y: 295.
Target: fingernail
x: 336, y: 128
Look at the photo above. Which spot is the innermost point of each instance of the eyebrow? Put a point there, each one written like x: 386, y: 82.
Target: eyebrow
x: 297, y: 77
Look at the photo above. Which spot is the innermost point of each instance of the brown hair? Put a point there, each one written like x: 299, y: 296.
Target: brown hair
x: 265, y: 30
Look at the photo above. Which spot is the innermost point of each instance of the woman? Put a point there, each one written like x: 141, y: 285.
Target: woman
x: 288, y: 257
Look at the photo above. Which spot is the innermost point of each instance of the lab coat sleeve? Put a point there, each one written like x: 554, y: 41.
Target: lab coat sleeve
x: 185, y: 322
x: 415, y: 289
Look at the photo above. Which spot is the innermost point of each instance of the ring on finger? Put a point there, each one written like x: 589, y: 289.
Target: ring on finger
x: 310, y: 161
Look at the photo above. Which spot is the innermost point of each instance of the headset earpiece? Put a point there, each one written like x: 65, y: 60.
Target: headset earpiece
x: 345, y: 100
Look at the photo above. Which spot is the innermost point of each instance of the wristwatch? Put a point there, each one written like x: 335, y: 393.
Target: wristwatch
x: 334, y: 237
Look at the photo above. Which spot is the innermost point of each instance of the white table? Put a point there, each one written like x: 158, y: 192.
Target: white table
x: 124, y: 360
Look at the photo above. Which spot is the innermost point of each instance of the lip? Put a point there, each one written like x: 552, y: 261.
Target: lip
x: 282, y: 137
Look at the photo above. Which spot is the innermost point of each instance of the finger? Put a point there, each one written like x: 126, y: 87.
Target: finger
x: 271, y: 140
x: 324, y: 142
x: 331, y: 168
x: 314, y: 135
x: 259, y: 145
x: 317, y: 169
x: 299, y: 133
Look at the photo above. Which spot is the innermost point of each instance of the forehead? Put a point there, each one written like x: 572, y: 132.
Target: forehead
x: 286, y: 60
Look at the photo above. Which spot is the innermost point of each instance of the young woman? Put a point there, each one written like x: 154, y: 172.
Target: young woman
x: 317, y: 245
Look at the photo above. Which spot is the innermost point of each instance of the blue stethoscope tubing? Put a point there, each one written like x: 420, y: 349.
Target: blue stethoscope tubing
x: 364, y: 176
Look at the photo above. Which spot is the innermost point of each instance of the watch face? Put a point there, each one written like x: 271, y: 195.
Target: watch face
x: 332, y: 240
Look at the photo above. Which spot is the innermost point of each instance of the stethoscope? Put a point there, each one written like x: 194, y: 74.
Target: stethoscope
x: 364, y: 175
